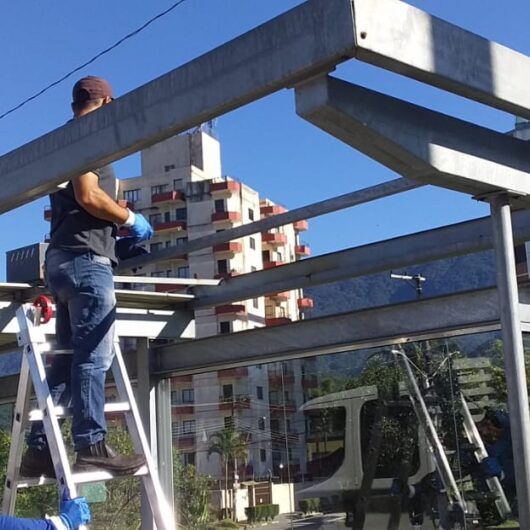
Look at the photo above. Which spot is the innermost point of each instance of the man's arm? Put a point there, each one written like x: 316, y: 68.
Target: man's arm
x: 95, y: 201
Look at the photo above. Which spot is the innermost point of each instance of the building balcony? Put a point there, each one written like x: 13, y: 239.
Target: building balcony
x: 302, y: 250
x: 185, y: 441
x: 273, y: 209
x: 305, y: 303
x: 180, y: 409
x: 301, y: 226
x: 231, y: 309
x: 280, y: 297
x: 277, y: 321
x: 224, y: 188
x: 182, y: 379
x: 240, y: 371
x: 164, y: 226
x: 271, y: 264
x: 234, y: 402
x: 169, y: 288
x: 167, y: 197
x: 273, y: 238
x: 275, y: 379
x: 229, y: 248
x: 226, y: 217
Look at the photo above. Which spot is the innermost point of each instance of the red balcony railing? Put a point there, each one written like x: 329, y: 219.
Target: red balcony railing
x: 226, y: 217
x: 181, y: 409
x: 224, y: 187
x: 185, y: 441
x: 182, y: 379
x: 170, y: 225
x: 277, y: 321
x: 231, y: 247
x: 305, y: 303
x: 240, y: 371
x: 273, y: 238
x: 271, y: 264
x: 167, y: 196
x: 231, y: 309
x: 272, y: 209
x: 302, y: 250
x: 301, y: 226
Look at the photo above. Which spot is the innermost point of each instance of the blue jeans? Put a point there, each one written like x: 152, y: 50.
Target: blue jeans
x: 83, y: 289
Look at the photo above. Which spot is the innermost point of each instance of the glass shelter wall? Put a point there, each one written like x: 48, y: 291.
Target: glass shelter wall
x: 334, y: 440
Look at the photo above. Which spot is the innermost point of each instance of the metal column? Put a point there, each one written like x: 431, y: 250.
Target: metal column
x: 513, y: 350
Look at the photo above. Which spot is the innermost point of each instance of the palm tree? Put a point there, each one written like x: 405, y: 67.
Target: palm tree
x: 227, y: 443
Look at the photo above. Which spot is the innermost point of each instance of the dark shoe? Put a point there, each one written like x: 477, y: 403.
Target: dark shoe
x: 37, y: 463
x: 101, y: 457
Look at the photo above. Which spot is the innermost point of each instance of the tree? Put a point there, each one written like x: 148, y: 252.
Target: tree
x: 192, y: 494
x: 227, y: 443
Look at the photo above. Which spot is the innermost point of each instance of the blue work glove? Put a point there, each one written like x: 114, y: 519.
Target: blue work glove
x: 491, y: 467
x: 141, y: 229
x: 74, y: 512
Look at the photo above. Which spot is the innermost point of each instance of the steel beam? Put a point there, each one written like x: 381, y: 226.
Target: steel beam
x: 422, y: 247
x: 402, y: 38
x: 308, y: 39
x: 445, y: 316
x: 417, y: 142
x: 347, y: 200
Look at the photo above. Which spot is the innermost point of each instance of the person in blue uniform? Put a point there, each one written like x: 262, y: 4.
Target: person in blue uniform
x: 73, y: 514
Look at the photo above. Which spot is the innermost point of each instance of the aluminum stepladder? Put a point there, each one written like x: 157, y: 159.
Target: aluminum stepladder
x: 437, y: 449
x: 32, y: 373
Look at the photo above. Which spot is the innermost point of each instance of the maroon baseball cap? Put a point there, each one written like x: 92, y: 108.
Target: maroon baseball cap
x: 89, y: 88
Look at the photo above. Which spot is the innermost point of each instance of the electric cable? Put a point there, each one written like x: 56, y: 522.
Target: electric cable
x: 92, y: 60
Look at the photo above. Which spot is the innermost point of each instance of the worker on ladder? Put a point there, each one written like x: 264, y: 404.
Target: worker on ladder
x: 78, y: 270
x: 73, y: 514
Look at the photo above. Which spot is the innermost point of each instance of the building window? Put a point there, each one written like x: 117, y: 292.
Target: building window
x: 181, y: 214
x: 255, y: 303
x: 228, y: 391
x: 273, y: 397
x: 259, y: 392
x: 174, y: 397
x: 224, y: 327
x: 155, y: 218
x: 252, y: 242
x: 161, y: 188
x: 131, y: 195
x: 219, y: 205
x: 167, y: 217
x: 251, y: 214
x: 167, y: 244
x: 188, y: 459
x: 261, y: 424
x: 229, y: 422
x: 169, y: 167
x: 183, y: 272
x: 280, y: 256
x: 188, y: 395
x: 155, y: 247
x: 188, y: 427
x: 275, y: 426
x: 263, y: 455
x: 265, y: 255
x: 177, y: 185
x: 181, y: 240
x: 222, y: 266
x: 174, y: 429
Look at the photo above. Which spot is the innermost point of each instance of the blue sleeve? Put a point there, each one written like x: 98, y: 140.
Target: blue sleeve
x: 13, y: 523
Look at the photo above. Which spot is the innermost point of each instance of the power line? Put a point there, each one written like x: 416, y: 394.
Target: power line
x: 92, y: 60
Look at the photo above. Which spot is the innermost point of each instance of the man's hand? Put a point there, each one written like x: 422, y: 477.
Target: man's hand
x: 140, y: 229
x: 491, y: 467
x: 74, y: 513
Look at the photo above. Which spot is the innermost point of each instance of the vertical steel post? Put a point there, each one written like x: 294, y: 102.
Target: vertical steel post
x: 513, y: 350
x: 165, y: 441
x: 147, y: 408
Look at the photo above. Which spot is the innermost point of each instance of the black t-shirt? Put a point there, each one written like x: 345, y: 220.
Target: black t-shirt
x: 75, y: 230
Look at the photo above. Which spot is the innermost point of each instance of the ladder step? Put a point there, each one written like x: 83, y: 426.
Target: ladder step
x: 79, y: 478
x: 66, y: 412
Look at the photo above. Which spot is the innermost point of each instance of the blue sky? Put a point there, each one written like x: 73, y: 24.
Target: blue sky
x: 263, y: 144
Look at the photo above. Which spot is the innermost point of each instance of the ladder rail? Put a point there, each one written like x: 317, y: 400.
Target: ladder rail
x: 493, y: 483
x: 17, y: 437
x: 162, y: 513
